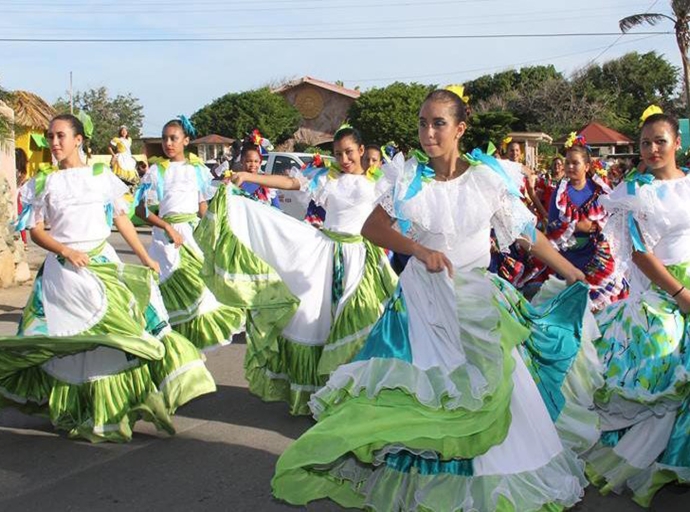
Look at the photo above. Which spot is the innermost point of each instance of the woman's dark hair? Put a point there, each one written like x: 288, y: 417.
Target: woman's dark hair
x: 77, y: 127
x: 662, y: 118
x: 178, y: 123
x: 348, y: 131
x: 577, y: 148
x: 20, y: 160
x: 75, y: 123
x: 248, y: 148
x: 374, y: 147
x: 460, y: 110
x: 513, y: 143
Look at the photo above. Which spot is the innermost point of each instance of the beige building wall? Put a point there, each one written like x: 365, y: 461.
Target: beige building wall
x: 13, y: 267
x: 322, y: 112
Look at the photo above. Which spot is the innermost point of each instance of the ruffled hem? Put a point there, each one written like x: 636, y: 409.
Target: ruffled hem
x: 213, y: 330
x: 363, y: 431
x: 106, y: 409
x: 560, y: 484
x: 287, y: 373
x: 610, y: 472
x: 104, y: 401
x: 194, y: 311
x: 489, y: 333
x: 181, y: 375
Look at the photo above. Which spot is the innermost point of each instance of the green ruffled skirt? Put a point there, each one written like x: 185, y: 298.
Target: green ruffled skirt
x: 310, y: 310
x: 125, y: 365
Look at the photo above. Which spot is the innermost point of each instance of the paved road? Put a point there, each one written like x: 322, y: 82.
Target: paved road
x: 221, y: 459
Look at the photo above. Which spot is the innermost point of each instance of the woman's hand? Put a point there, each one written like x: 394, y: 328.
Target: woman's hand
x: 683, y: 301
x: 585, y: 226
x: 174, y: 236
x: 434, y: 261
x: 76, y: 258
x: 573, y: 275
x: 239, y: 177
x: 152, y: 264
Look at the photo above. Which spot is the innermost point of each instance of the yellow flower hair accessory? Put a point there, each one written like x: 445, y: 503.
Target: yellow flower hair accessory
x: 458, y: 90
x: 650, y: 111
x: 576, y: 140
x: 504, y: 143
x: 344, y: 126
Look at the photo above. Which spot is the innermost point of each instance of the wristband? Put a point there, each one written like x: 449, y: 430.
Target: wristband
x: 678, y: 292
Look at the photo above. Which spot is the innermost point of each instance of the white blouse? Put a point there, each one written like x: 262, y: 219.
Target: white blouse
x: 661, y: 210
x: 456, y: 216
x: 179, y: 188
x: 74, y: 203
x: 348, y: 199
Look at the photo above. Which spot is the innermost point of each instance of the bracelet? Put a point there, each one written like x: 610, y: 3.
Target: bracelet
x: 678, y: 292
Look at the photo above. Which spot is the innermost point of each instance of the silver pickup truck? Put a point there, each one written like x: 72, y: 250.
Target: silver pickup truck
x: 292, y: 202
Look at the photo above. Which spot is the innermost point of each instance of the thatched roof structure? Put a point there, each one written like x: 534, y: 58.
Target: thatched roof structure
x: 30, y: 110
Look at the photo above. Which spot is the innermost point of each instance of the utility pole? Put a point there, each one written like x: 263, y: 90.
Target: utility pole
x: 71, y: 100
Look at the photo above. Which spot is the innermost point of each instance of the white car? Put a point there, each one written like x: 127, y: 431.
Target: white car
x: 292, y: 202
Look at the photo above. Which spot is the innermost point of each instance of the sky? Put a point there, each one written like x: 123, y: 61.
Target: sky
x: 365, y: 43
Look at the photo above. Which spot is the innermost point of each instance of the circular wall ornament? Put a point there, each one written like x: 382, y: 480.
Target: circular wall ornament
x: 309, y: 102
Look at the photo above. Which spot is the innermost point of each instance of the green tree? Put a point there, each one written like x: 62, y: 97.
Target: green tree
x: 235, y: 114
x: 509, y: 82
x: 680, y: 20
x: 107, y: 114
x: 556, y: 107
x: 390, y: 113
x: 488, y: 126
x: 628, y: 85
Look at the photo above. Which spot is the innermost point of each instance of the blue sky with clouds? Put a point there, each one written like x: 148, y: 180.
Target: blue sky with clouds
x: 171, y: 78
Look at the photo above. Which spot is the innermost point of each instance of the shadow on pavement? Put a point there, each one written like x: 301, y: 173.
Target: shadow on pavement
x: 237, y: 406
x: 176, y: 474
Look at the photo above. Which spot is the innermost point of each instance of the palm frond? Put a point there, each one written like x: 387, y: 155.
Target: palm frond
x: 681, y: 8
x: 638, y: 19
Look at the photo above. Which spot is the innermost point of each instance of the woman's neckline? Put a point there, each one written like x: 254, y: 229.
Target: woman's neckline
x: 464, y: 168
x: 677, y: 178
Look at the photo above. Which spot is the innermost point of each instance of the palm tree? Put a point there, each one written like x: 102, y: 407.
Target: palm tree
x: 5, y: 124
x: 681, y: 11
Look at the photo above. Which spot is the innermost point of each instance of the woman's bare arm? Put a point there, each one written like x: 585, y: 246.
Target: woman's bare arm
x: 44, y: 240
x: 279, y: 182
x: 656, y: 272
x: 378, y: 229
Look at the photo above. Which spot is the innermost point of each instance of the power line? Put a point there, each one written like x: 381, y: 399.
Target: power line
x: 316, y: 38
x: 619, y: 38
x: 476, y: 70
x: 187, y: 9
x: 509, y: 18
